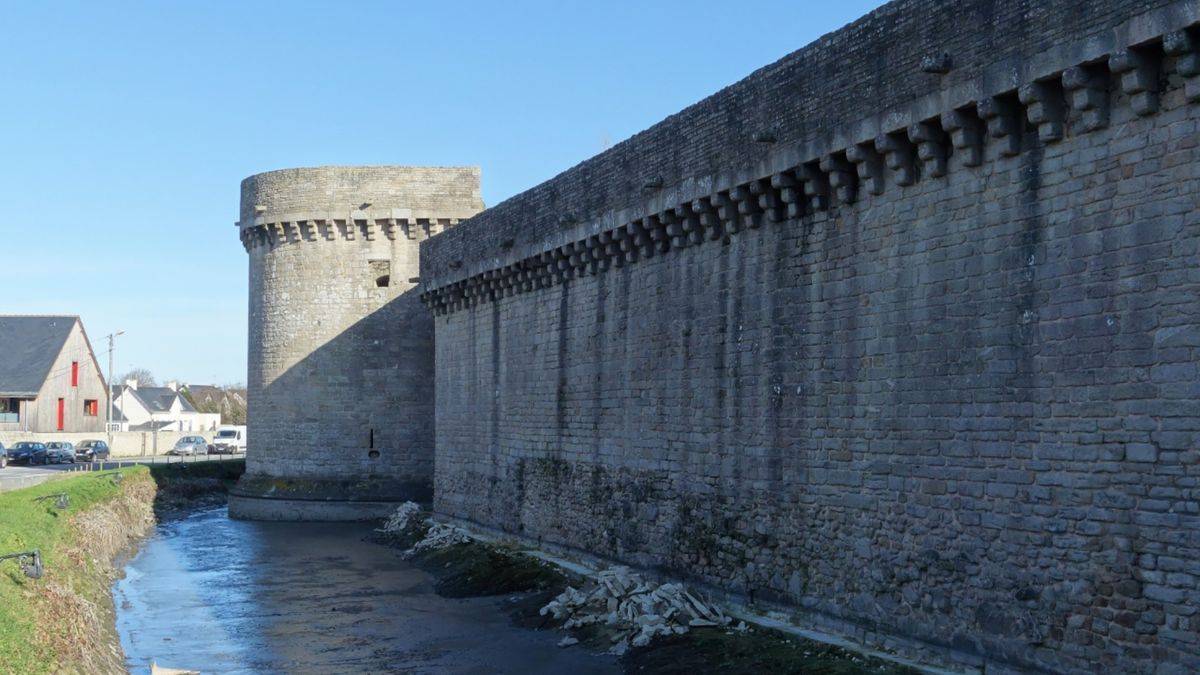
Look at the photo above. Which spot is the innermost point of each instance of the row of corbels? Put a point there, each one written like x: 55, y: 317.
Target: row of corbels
x: 275, y: 233
x: 1077, y: 97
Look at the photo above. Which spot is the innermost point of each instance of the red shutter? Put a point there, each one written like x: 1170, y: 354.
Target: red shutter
x: 62, y: 413
x: 74, y: 373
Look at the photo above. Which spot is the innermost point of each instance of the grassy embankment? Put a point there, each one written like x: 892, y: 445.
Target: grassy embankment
x: 478, y: 569
x: 63, y: 622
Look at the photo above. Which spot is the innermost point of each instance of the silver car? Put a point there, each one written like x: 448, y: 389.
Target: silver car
x: 60, y: 452
x: 189, y: 446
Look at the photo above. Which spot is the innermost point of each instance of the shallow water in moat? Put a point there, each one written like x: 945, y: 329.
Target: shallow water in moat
x: 226, y: 596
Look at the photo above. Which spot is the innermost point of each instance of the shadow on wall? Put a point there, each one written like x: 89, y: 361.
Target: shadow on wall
x: 357, y: 411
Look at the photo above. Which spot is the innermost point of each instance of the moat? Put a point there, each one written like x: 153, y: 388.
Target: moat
x: 225, y: 596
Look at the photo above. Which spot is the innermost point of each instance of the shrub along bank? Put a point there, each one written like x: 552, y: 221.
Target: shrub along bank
x: 64, y: 621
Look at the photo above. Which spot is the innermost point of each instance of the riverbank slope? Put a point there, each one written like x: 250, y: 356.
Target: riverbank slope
x: 81, y: 526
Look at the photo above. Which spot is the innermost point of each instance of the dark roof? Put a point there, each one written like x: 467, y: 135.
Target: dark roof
x: 151, y: 425
x: 160, y: 399
x: 204, y: 393
x: 155, y: 399
x: 29, y: 346
x: 208, y: 393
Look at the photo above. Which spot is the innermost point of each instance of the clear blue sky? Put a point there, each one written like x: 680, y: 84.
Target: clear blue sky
x: 126, y: 128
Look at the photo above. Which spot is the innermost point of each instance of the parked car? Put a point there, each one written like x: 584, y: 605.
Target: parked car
x: 190, y: 445
x: 229, y: 440
x: 3, y: 457
x: 27, y: 452
x: 60, y: 452
x: 91, y: 451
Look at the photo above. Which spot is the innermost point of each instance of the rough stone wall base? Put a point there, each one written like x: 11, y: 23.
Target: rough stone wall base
x: 263, y: 498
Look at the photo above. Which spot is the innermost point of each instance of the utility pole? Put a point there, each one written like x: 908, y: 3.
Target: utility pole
x: 112, y: 337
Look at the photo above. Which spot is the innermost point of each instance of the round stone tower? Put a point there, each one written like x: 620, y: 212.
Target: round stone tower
x: 341, y: 350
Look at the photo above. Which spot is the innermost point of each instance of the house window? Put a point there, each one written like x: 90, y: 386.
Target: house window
x: 74, y: 373
x: 91, y: 408
x: 10, y: 409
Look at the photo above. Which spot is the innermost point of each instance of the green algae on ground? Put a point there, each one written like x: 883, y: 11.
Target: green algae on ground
x: 758, y: 650
x: 476, y: 570
x: 480, y: 569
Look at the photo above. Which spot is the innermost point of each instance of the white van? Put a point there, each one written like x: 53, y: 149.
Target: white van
x: 229, y: 440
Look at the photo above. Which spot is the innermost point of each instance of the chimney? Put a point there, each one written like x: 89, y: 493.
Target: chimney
x: 173, y: 385
x: 132, y: 384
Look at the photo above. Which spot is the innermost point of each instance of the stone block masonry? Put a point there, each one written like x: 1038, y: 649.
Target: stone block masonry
x: 913, y: 352
x: 341, y: 352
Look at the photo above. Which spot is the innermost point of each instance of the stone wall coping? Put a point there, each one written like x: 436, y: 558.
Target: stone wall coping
x: 998, y: 79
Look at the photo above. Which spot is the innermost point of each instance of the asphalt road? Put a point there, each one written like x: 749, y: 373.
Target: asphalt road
x: 16, y: 477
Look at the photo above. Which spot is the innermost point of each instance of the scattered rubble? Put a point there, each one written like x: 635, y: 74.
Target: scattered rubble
x: 407, y: 516
x: 640, y: 610
x: 438, y: 537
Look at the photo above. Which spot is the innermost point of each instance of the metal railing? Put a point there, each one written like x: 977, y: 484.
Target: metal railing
x: 122, y: 462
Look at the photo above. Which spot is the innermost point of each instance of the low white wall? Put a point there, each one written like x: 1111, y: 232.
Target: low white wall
x: 122, y: 444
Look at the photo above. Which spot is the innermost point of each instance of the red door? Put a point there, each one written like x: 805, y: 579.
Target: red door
x: 62, y: 412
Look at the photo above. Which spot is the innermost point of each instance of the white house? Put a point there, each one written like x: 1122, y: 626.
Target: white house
x: 157, y: 409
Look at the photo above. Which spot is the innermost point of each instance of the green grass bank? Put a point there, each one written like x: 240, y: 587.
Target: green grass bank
x: 64, y: 621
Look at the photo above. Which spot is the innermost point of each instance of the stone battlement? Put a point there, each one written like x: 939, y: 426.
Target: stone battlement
x: 310, y: 204
x: 636, y: 201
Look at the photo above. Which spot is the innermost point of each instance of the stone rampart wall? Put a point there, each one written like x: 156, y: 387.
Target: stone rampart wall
x: 931, y: 373
x: 340, y: 376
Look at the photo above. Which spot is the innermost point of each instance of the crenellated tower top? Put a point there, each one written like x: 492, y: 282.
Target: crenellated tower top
x: 325, y: 202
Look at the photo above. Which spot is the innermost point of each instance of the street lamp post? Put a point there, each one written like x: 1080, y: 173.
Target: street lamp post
x: 112, y: 337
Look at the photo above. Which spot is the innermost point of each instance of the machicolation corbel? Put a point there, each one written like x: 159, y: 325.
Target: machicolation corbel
x: 1087, y: 94
x: 816, y: 186
x: 869, y: 166
x: 842, y: 178
x: 709, y: 218
x: 748, y: 210
x: 932, y: 146
x: 1138, y: 74
x: 1043, y: 103
x: 1003, y: 124
x: 897, y: 153
x: 658, y: 234
x: 768, y: 200
x: 727, y: 212
x: 688, y: 223
x: 966, y: 135
x: 789, y: 193
x: 1186, y: 49
x: 626, y: 243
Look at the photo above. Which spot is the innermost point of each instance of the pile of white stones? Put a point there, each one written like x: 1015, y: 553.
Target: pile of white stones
x: 406, y: 516
x: 409, y: 516
x: 438, y: 537
x: 638, y: 609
